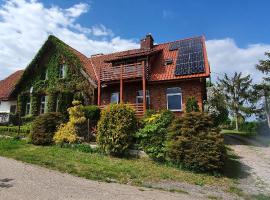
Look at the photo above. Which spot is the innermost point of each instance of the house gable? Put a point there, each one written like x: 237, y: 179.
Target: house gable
x: 56, y: 72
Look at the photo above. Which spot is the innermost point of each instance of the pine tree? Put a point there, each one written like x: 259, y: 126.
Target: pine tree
x: 237, y: 91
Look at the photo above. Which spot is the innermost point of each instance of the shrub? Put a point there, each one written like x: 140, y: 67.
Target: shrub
x: 43, y: 128
x: 195, y: 143
x: 192, y: 105
x: 250, y: 127
x: 92, y: 112
x: 27, y: 119
x: 116, y: 129
x: 75, y: 127
x: 153, y: 135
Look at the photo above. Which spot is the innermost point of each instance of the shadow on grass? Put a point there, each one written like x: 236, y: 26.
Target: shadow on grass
x: 234, y: 168
x: 257, y: 141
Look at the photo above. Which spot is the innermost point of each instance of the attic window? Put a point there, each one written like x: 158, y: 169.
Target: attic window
x: 168, y: 61
x: 63, y: 71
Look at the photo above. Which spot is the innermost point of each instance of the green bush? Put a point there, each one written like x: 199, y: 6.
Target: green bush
x: 27, y: 119
x: 195, y: 143
x: 250, y: 127
x: 152, y: 136
x: 192, y: 105
x: 43, y: 128
x: 92, y: 112
x: 116, y: 129
x: 24, y: 130
x: 75, y: 128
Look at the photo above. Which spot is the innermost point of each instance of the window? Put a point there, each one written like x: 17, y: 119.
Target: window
x: 44, y: 75
x: 174, y: 99
x: 139, y: 97
x: 115, y: 97
x: 43, y: 105
x: 28, y: 107
x: 13, y: 109
x: 63, y: 71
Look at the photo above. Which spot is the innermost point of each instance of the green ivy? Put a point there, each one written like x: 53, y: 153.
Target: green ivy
x: 49, y: 58
x: 35, y: 100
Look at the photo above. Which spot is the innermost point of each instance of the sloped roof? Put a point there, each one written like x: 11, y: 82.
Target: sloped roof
x: 7, y: 85
x: 158, y: 72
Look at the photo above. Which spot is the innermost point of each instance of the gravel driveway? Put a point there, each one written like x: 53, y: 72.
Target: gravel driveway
x: 20, y: 181
x: 255, y: 158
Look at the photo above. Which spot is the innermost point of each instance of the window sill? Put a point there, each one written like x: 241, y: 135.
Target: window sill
x: 176, y: 110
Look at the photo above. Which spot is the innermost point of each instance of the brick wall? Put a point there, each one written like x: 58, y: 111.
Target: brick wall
x: 158, y: 98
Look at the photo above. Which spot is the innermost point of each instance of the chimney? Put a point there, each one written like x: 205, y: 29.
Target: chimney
x: 147, y: 42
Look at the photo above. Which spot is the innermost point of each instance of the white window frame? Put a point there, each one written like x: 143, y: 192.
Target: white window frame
x: 63, y: 71
x: 43, y: 103
x: 141, y: 96
x: 118, y: 99
x: 28, y: 111
x: 174, y: 94
x: 46, y: 74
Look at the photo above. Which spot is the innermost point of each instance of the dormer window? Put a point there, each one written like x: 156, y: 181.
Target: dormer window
x: 168, y: 61
x: 63, y: 71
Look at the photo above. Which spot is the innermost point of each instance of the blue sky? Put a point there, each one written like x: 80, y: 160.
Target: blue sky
x: 237, y: 32
x: 244, y: 20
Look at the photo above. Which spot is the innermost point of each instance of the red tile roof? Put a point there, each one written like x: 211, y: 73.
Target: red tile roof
x: 159, y: 72
x: 7, y: 85
x: 86, y: 63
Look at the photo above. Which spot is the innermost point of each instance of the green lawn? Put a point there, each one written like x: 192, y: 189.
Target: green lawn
x: 242, y: 133
x: 94, y: 166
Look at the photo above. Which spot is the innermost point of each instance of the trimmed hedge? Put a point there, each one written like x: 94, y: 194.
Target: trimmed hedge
x: 195, y: 143
x: 24, y: 130
x: 92, y: 112
x: 116, y: 129
x: 43, y: 128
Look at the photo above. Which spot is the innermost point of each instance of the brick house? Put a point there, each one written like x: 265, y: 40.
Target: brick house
x: 154, y: 76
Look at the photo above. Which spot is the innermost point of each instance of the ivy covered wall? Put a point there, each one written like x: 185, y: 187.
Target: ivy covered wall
x: 60, y: 91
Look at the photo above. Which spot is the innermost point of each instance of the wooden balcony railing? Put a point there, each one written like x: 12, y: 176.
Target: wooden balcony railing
x: 138, y: 107
x: 125, y: 71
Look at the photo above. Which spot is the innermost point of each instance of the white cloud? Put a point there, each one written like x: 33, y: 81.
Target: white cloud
x: 226, y: 57
x: 26, y: 24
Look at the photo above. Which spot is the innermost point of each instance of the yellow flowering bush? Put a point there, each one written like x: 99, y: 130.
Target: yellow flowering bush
x: 68, y: 132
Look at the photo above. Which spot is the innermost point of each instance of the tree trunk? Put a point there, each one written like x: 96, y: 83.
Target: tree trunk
x: 236, y: 122
x: 267, y: 111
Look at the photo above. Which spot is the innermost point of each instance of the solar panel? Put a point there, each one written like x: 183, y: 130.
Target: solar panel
x: 190, y: 58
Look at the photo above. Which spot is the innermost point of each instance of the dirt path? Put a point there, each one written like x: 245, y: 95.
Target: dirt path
x: 255, y: 159
x: 23, y: 181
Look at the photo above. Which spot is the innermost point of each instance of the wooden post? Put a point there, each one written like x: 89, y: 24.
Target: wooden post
x: 121, y: 84
x: 99, y: 91
x: 144, y: 86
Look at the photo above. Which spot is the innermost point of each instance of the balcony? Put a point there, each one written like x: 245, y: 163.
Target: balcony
x: 138, y: 108
x: 130, y: 71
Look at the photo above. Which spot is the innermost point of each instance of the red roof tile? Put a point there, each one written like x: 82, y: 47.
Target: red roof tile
x: 159, y: 72
x: 86, y: 63
x: 7, y: 85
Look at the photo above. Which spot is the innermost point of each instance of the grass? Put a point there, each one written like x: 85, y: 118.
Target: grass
x: 103, y: 168
x: 241, y: 133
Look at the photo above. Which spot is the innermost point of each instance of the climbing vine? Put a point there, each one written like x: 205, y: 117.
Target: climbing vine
x: 59, y: 91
